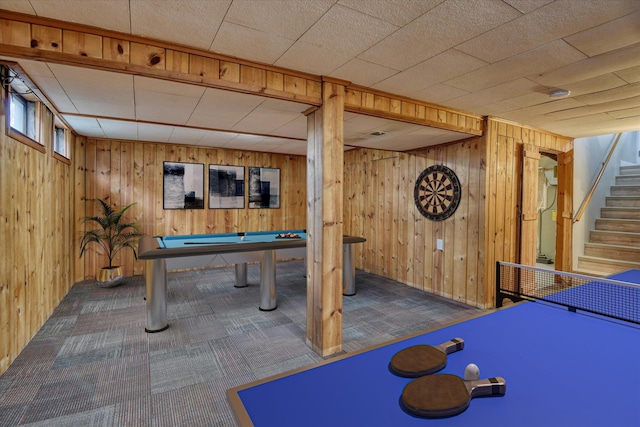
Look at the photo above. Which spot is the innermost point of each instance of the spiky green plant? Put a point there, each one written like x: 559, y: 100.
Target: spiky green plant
x: 112, y: 235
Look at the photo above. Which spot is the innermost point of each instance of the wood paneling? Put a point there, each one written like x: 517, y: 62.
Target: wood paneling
x: 125, y: 172
x: 486, y: 227
x: 325, y: 222
x: 401, y: 243
x: 29, y: 36
x: 368, y: 101
x: 36, y: 227
x: 511, y: 173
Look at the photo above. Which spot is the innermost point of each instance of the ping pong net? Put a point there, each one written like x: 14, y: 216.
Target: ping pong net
x: 615, y: 299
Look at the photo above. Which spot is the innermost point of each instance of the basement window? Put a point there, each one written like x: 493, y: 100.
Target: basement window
x: 23, y: 120
x: 60, y: 145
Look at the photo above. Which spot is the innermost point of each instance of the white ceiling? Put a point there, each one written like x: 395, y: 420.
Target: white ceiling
x: 489, y: 57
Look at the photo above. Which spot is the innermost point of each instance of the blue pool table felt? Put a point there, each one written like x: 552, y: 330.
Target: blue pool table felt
x: 205, y: 239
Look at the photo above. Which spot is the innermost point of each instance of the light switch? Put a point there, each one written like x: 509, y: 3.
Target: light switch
x: 439, y: 245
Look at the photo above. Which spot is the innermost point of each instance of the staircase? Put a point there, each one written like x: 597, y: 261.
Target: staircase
x: 614, y: 244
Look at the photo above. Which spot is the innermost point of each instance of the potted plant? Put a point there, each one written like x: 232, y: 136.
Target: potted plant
x: 112, y: 235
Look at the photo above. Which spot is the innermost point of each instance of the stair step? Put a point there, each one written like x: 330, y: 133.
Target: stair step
x: 630, y: 170
x: 614, y: 238
x: 604, y: 265
x: 615, y: 252
x: 628, y: 179
x: 615, y: 224
x: 625, y: 190
x: 623, y: 201
x: 620, y: 212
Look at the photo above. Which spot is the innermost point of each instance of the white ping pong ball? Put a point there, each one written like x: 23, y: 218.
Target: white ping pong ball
x: 242, y: 238
x: 471, y: 372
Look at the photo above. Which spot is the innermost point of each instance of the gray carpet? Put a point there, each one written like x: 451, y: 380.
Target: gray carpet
x: 92, y: 364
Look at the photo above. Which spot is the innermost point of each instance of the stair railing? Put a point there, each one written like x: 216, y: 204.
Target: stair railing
x: 587, y: 198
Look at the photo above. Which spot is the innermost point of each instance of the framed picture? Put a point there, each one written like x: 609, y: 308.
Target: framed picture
x: 264, y: 187
x: 226, y: 187
x: 183, y: 185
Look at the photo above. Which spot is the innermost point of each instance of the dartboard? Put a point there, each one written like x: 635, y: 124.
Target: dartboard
x: 437, y: 192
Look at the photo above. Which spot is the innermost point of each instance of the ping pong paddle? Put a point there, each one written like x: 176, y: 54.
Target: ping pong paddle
x: 419, y: 360
x: 445, y: 395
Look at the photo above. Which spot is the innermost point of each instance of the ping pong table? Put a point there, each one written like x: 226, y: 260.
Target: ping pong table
x: 563, y: 367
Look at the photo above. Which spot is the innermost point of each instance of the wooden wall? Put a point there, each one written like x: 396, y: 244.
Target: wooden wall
x: 401, y: 243
x: 125, y: 172
x: 36, y: 223
x: 511, y: 222
x: 487, y: 226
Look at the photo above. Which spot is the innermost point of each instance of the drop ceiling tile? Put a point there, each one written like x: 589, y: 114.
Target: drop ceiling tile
x: 216, y: 139
x: 296, y: 128
x: 249, y: 43
x: 85, y: 126
x: 609, y: 62
x: 473, y: 102
x: 544, y: 58
x: 543, y: 25
x: 612, y: 35
x: 162, y: 101
x: 497, y: 108
x: 406, y: 47
x: 96, y: 92
x: 439, y: 93
x: 614, y: 94
x: 600, y: 124
x: 264, y: 120
x: 629, y: 75
x: 520, y: 115
x: 312, y: 58
x: 154, y: 132
x: 526, y: 6
x: 17, y: 6
x: 289, y: 19
x: 627, y: 113
x: 363, y: 73
x: 347, y: 31
x: 220, y: 109
x: 156, y: 19
x: 55, y: 94
x: 113, y: 14
x: 118, y: 129
x: 596, y: 84
x: 441, y: 67
x: 589, y: 110
x: 184, y: 135
x: 397, y: 12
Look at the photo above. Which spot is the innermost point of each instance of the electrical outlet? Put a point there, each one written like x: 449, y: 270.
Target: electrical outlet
x: 439, y: 244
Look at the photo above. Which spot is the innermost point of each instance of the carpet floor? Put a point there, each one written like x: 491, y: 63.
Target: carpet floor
x: 92, y: 364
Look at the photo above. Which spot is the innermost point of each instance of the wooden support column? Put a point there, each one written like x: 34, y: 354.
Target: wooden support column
x: 325, y: 160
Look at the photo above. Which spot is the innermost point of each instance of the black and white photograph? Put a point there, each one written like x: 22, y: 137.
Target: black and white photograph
x: 264, y: 188
x: 226, y: 187
x: 183, y: 185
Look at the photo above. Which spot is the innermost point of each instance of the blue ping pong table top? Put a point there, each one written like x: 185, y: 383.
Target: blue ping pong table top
x: 227, y: 238
x: 561, y: 368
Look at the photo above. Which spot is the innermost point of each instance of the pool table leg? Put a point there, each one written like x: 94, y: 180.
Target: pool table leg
x: 268, y: 281
x: 241, y: 275
x: 156, y: 287
x: 348, y: 271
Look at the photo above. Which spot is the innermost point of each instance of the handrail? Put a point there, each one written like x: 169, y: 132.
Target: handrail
x: 587, y: 199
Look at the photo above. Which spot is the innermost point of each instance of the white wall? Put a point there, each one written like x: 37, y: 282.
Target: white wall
x: 589, y: 156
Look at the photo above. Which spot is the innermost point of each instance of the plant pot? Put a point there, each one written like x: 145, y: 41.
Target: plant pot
x: 108, y: 277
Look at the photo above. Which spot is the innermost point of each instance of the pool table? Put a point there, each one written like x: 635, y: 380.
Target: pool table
x: 164, y: 253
